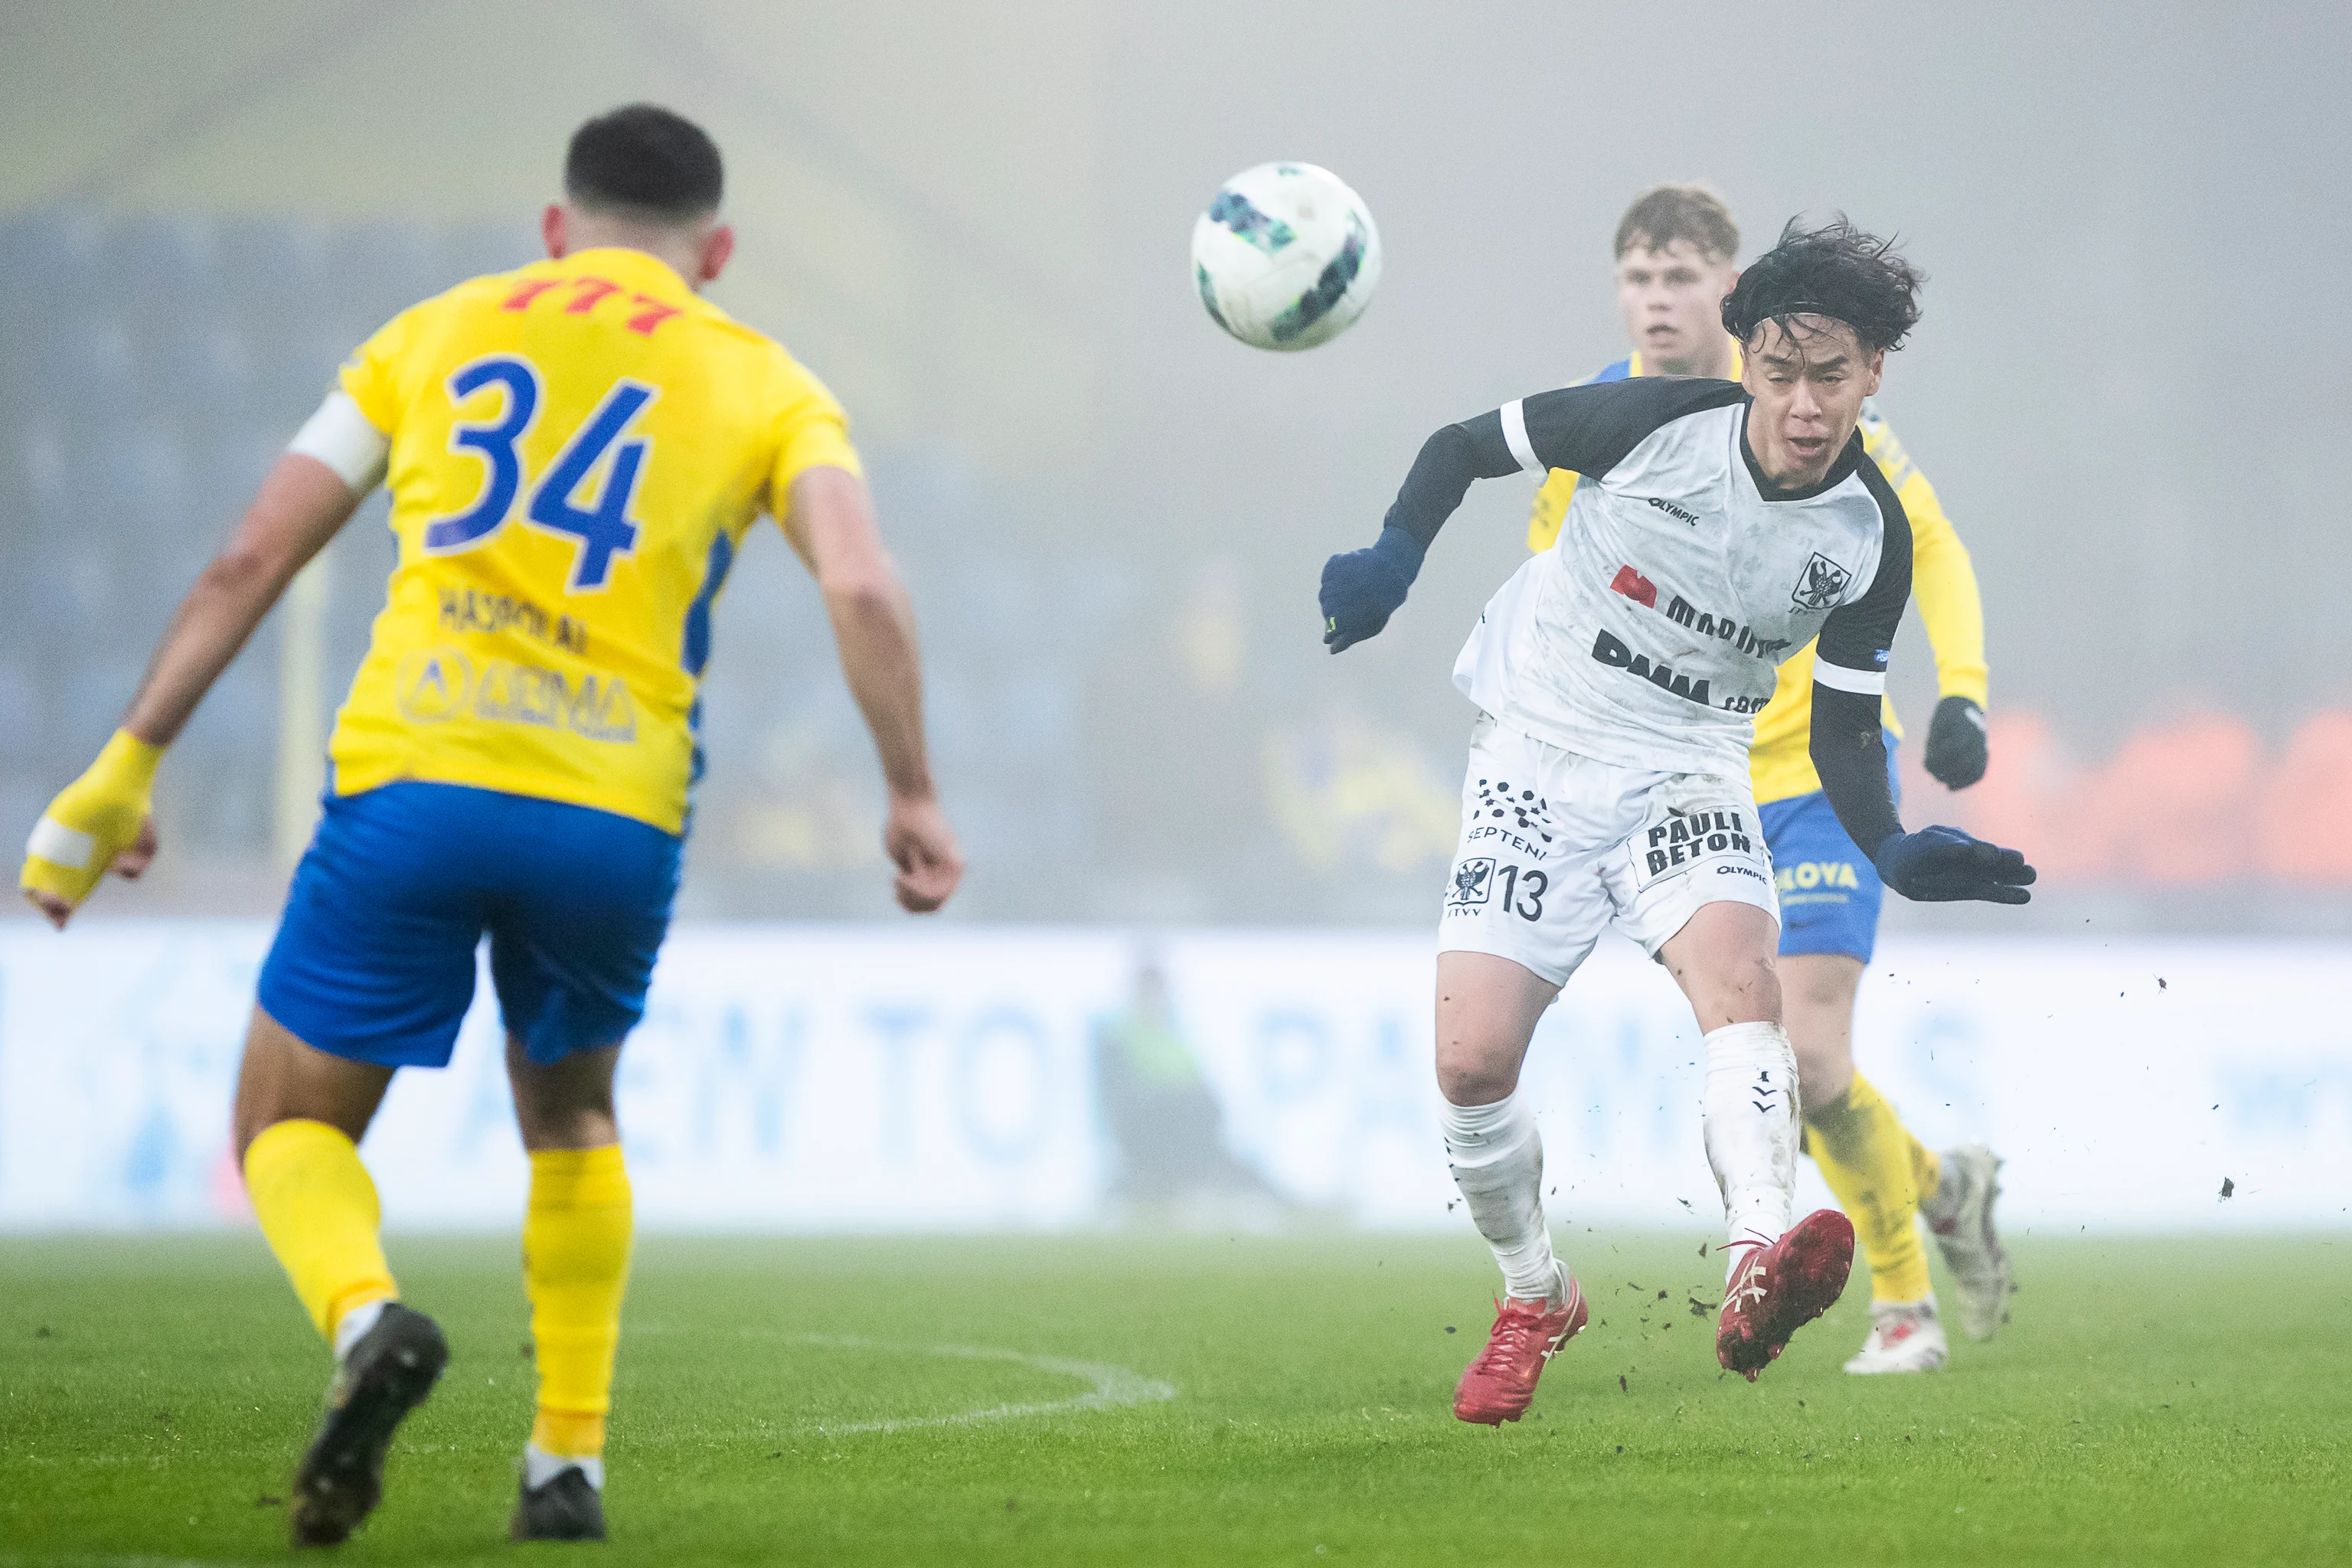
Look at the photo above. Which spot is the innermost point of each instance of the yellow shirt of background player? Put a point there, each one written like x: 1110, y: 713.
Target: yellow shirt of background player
x: 1943, y: 584
x: 544, y: 632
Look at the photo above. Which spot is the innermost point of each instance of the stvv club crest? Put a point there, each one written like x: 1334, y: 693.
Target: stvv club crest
x: 1824, y: 586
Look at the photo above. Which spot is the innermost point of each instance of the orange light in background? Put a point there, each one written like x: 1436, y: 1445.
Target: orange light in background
x: 2304, y: 817
x: 2192, y: 803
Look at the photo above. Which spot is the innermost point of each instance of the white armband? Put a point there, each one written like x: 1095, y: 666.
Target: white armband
x: 1515, y: 436
x: 1860, y: 682
x: 340, y: 435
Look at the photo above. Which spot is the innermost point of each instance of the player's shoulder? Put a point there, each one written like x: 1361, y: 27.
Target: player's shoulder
x: 717, y: 332
x: 1594, y: 427
x: 793, y: 387
x: 1620, y: 371
x: 449, y: 322
x: 404, y: 328
x: 1879, y: 440
x: 1876, y: 434
x: 1870, y: 472
x: 1636, y: 407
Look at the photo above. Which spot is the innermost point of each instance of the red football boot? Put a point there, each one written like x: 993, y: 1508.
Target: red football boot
x: 1499, y: 1385
x: 1781, y: 1289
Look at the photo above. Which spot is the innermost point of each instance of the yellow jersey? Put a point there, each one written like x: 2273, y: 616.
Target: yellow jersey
x: 1943, y: 584
x: 577, y: 449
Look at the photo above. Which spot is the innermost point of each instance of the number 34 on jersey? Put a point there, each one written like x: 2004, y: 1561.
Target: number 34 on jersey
x: 577, y: 448
x: 603, y: 527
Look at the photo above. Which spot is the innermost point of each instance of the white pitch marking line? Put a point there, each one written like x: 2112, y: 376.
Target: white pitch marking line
x: 1113, y: 1386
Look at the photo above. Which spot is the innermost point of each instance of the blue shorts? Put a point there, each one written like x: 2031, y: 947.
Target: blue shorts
x: 1830, y: 892
x: 375, y: 958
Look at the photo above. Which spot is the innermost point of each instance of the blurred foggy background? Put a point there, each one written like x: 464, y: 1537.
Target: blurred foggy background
x: 971, y: 221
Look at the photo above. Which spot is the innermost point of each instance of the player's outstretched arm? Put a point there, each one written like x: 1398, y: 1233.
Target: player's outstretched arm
x: 1586, y: 430
x: 1363, y: 588
x: 1934, y: 865
x: 830, y: 520
x: 1849, y: 747
x: 102, y: 821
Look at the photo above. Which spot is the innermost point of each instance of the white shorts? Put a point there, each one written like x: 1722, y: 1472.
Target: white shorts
x: 1555, y: 845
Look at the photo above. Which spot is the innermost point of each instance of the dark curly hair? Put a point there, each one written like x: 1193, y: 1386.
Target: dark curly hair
x: 1835, y: 270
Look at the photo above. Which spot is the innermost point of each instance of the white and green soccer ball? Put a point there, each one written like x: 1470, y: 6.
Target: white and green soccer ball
x: 1286, y: 256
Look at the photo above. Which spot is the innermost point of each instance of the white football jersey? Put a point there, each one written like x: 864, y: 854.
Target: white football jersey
x: 1649, y: 635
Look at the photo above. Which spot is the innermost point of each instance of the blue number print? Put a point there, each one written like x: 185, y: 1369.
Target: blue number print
x: 497, y: 445
x: 604, y: 529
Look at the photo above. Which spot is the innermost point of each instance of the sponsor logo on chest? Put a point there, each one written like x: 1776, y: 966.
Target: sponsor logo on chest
x: 1723, y: 628
x: 1611, y: 650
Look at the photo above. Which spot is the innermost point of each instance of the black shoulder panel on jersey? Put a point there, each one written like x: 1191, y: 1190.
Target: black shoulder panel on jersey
x: 1860, y: 633
x: 1588, y: 429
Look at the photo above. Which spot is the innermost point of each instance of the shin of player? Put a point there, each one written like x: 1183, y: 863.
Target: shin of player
x: 1724, y: 960
x: 1487, y: 1008
x: 576, y: 1236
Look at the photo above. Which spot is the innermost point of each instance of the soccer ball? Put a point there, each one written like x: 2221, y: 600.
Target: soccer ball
x: 1286, y: 256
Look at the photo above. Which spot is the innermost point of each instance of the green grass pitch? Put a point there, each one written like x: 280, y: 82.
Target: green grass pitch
x: 2154, y: 1401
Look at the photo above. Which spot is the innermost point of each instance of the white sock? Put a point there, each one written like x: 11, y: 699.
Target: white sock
x: 1496, y: 1157
x: 354, y: 1324
x: 1749, y: 1116
x: 540, y: 1467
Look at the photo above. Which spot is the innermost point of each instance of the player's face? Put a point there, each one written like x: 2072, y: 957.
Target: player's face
x: 1808, y: 388
x: 1672, y: 301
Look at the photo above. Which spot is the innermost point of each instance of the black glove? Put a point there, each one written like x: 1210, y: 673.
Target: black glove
x: 1363, y: 588
x: 1944, y: 865
x: 1956, y: 743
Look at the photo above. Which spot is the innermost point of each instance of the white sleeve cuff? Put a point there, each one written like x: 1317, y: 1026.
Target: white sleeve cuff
x: 1838, y: 678
x: 340, y: 435
x: 1515, y: 436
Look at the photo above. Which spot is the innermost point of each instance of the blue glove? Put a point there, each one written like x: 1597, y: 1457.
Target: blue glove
x: 1944, y: 865
x: 1363, y: 588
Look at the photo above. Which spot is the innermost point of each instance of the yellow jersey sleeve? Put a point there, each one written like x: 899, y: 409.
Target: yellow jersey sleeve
x: 1943, y: 579
x: 367, y: 375
x: 1944, y: 584
x: 812, y: 432
x: 578, y: 447
x: 1551, y: 510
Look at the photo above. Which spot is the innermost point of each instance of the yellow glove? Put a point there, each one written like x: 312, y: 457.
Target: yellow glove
x: 93, y: 819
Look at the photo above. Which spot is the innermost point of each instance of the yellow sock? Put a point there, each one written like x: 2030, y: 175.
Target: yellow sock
x: 1867, y: 1158
x: 318, y: 1210
x: 1926, y: 1168
x: 575, y: 1265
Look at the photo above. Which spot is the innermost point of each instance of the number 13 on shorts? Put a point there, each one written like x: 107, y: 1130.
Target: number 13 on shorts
x: 1521, y: 890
